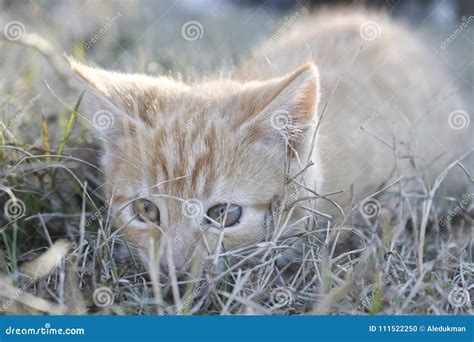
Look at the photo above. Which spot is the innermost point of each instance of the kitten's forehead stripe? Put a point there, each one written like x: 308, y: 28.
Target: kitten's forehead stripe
x: 190, y: 160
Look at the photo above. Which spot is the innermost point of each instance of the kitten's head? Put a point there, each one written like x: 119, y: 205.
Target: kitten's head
x: 194, y: 167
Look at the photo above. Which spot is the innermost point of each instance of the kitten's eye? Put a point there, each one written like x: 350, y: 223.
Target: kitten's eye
x: 225, y: 214
x: 146, y: 211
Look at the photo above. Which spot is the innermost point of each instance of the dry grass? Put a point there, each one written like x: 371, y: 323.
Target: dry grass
x: 62, y: 255
x: 397, y: 259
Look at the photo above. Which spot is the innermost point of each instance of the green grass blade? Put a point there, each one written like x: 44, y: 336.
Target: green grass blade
x: 69, y: 127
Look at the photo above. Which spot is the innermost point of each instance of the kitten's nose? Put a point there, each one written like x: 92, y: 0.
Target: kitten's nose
x: 175, y: 254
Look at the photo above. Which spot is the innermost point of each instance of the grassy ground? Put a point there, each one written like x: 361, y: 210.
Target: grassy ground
x: 58, y: 251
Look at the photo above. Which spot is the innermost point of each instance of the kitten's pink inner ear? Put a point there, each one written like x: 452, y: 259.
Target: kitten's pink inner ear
x: 295, y: 96
x: 298, y: 94
x: 304, y: 88
x: 306, y: 104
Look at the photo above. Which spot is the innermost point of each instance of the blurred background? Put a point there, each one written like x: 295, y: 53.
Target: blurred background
x: 188, y: 38
x: 147, y: 36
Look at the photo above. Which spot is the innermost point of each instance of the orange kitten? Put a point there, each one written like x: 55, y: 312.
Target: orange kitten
x: 195, y: 167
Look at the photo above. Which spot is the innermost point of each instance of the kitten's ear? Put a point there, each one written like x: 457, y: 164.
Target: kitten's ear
x: 116, y: 102
x: 286, y: 106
